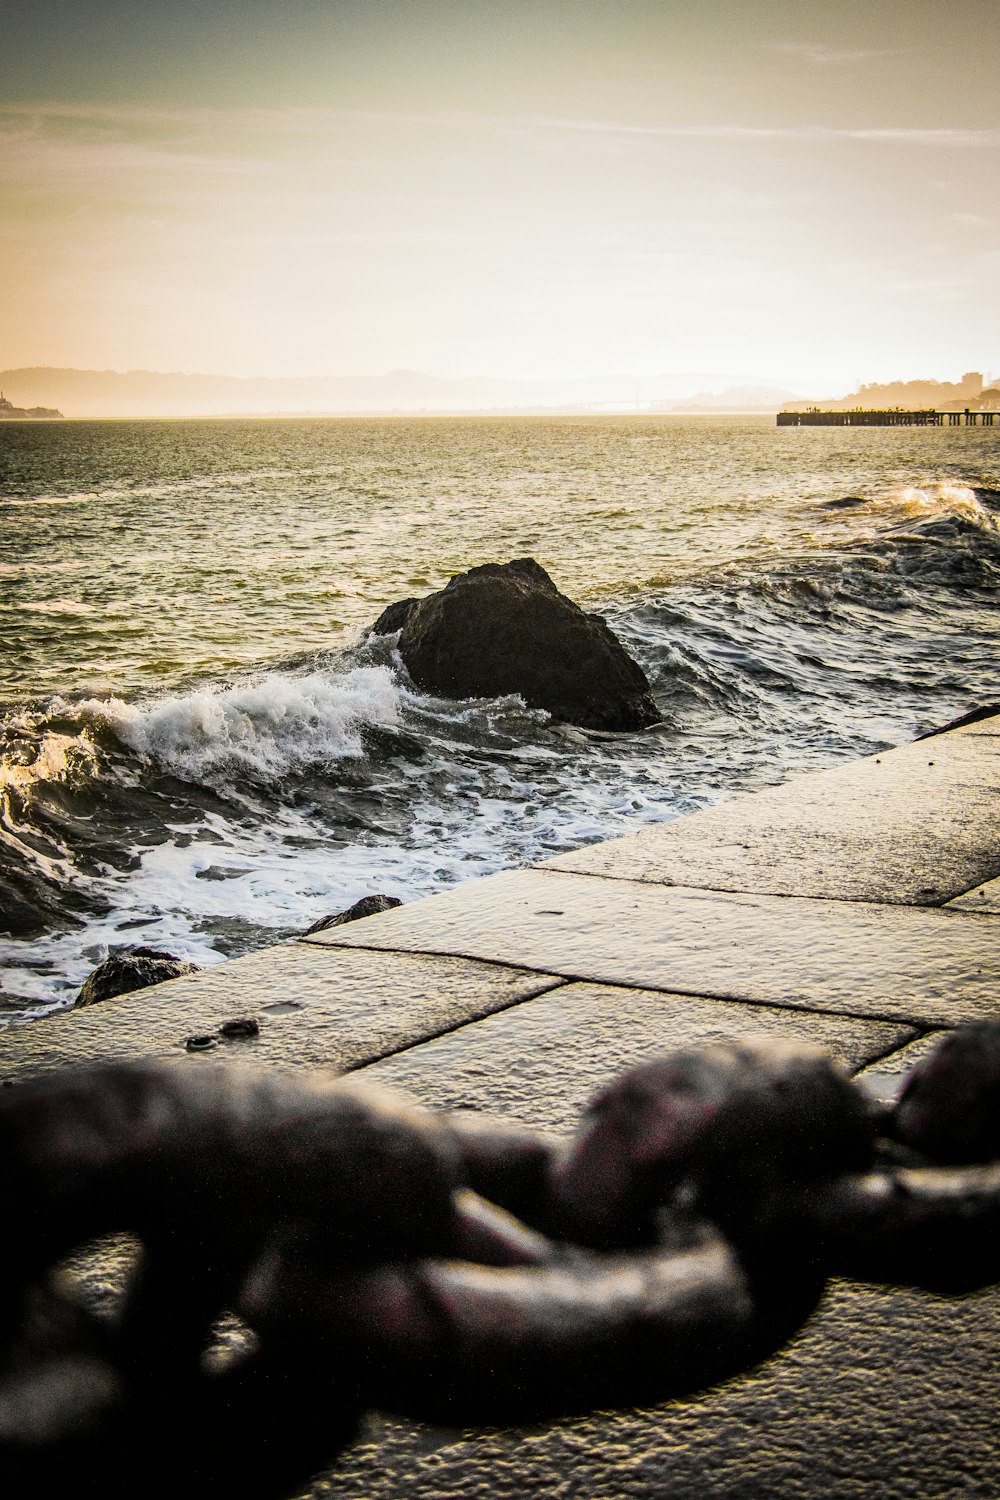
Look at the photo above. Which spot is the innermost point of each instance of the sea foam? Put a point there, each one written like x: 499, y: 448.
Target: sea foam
x: 259, y: 731
x: 937, y: 501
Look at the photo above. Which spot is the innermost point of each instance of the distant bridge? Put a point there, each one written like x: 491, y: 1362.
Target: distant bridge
x: 891, y: 418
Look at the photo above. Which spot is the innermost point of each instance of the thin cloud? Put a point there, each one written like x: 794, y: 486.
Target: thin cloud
x: 821, y: 56
x: 179, y: 130
x: 879, y: 134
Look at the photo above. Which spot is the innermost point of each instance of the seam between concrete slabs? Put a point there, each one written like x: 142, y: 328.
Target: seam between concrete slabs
x: 919, y: 1031
x: 459, y: 923
x: 565, y: 977
x: 922, y: 1032
x: 119, y: 1028
x: 548, y: 872
x: 545, y: 868
x: 559, y: 982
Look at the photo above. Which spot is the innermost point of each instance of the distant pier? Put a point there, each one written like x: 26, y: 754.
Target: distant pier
x: 891, y: 418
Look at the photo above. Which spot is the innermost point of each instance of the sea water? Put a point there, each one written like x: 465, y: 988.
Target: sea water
x: 202, y: 750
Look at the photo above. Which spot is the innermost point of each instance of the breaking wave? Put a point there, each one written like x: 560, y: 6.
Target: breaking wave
x: 260, y: 732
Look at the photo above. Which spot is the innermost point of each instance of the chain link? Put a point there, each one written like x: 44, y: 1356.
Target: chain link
x: 451, y: 1268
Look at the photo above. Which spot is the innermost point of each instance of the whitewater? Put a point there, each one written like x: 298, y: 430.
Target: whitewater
x: 202, y: 748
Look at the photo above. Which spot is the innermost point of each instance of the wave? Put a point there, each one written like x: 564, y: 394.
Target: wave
x: 260, y: 731
x: 901, y: 541
x: 308, y: 716
x: 57, y: 607
x: 77, y: 499
x: 939, y: 501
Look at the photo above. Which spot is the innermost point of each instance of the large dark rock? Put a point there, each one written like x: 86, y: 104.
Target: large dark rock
x: 394, y: 617
x: 505, y: 628
x: 130, y: 969
x: 368, y: 906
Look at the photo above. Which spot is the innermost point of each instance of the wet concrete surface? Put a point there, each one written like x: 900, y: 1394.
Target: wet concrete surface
x: 316, y: 1007
x: 915, y: 825
x: 886, y: 1395
x: 984, y: 900
x: 541, y: 1062
x: 924, y: 966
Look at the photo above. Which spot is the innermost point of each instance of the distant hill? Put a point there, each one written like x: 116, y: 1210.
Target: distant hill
x: 11, y: 413
x: 148, y: 393
x: 736, y: 398
x: 911, y: 395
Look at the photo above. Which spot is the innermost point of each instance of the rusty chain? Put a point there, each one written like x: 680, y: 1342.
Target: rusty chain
x: 451, y: 1268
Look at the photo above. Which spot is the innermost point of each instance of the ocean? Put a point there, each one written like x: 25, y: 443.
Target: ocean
x: 202, y: 751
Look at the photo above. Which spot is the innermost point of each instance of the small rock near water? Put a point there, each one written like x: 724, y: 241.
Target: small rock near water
x: 130, y: 969
x: 368, y: 906
x: 240, y: 1029
x: 505, y: 628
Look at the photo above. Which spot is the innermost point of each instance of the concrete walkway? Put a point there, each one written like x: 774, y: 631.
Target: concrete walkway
x: 858, y: 907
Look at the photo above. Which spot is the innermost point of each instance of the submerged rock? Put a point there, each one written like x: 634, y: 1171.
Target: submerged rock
x: 368, y: 906
x: 505, y: 628
x: 130, y: 969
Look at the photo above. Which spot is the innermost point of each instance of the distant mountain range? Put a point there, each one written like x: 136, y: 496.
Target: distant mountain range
x: 148, y: 393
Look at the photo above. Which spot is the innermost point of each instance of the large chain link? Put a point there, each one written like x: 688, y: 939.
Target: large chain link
x: 448, y: 1267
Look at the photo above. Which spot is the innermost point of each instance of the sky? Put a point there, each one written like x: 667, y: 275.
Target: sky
x: 802, y: 193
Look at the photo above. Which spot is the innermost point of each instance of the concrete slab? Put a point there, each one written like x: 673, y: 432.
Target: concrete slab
x: 931, y: 968
x: 985, y: 900
x: 316, y: 1007
x: 916, y: 825
x: 543, y: 1060
x: 887, y: 1395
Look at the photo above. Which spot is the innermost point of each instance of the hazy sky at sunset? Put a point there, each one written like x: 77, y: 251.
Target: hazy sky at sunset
x: 799, y: 191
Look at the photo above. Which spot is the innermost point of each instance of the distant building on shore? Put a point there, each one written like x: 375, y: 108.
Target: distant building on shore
x: 9, y: 410
x: 912, y: 395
